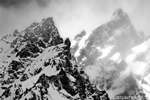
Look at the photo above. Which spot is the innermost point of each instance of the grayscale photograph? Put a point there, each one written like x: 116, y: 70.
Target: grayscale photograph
x: 74, y: 49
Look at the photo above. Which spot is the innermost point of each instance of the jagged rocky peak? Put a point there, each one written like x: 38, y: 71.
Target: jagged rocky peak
x: 16, y: 33
x: 77, y: 38
x: 37, y: 35
x: 45, y: 30
x: 120, y: 14
x: 48, y: 21
x: 8, y: 38
x: 119, y: 20
x: 80, y: 35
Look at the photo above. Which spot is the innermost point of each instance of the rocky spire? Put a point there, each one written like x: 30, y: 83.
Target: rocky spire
x: 16, y: 33
x: 119, y: 12
x: 120, y: 15
x: 80, y: 35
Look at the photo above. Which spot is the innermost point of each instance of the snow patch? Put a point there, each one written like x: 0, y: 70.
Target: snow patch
x: 73, y: 43
x: 54, y: 95
x: 146, y: 89
x: 116, y: 57
x: 139, y: 49
x: 105, y: 51
x: 137, y: 67
x: 82, y: 44
x: 84, y: 58
x: 142, y: 48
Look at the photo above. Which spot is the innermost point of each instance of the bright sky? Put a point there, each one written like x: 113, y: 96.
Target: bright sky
x: 71, y: 16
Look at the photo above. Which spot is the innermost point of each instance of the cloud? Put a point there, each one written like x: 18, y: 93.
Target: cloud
x: 70, y: 16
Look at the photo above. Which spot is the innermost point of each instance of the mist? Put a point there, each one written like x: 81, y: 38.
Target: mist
x: 71, y: 16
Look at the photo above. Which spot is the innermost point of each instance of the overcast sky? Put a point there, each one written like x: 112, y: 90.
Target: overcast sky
x: 71, y: 16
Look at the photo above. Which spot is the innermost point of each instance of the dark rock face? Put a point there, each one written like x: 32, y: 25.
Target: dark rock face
x: 67, y: 42
x: 29, y: 50
x: 41, y: 63
x: 45, y: 29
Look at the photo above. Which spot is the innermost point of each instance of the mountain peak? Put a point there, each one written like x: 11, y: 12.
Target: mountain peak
x: 45, y: 22
x: 48, y: 20
x: 80, y: 35
x: 120, y: 14
x: 16, y: 33
x: 45, y: 30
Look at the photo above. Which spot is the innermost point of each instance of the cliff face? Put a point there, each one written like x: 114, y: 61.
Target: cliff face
x: 36, y: 64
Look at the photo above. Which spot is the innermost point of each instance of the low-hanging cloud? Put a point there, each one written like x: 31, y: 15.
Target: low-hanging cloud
x: 70, y: 16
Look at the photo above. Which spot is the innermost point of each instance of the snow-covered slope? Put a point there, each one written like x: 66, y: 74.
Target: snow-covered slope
x: 138, y: 60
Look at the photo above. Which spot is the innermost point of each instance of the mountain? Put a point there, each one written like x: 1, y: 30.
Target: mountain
x: 104, y: 55
x: 36, y: 64
x: 117, y: 35
x: 111, y: 62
